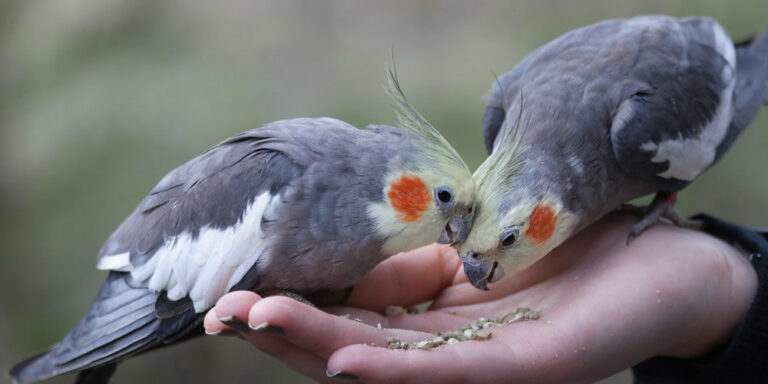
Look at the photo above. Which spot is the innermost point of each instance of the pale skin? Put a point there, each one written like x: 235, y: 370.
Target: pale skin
x: 604, y: 307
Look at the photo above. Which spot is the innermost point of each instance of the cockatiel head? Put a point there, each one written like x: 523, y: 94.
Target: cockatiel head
x: 518, y: 219
x: 430, y: 192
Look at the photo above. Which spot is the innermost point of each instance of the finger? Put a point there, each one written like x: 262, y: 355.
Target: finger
x: 407, y: 279
x: 230, y: 315
x: 292, y: 356
x: 430, y: 321
x: 472, y: 361
x: 322, y: 333
x: 514, y: 353
x: 232, y: 306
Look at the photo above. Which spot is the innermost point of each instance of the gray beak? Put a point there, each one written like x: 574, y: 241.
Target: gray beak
x: 480, y: 273
x: 457, y: 229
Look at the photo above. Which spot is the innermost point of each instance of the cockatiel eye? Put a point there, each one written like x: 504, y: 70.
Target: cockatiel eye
x: 444, y: 197
x: 509, y: 238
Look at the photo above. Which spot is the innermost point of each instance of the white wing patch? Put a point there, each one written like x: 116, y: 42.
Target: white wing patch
x: 206, y: 267
x: 120, y: 262
x: 688, y: 157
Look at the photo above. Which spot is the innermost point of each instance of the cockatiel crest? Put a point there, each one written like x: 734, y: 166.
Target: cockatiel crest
x: 423, y: 192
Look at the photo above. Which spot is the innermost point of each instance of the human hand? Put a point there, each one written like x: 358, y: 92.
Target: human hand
x: 604, y: 307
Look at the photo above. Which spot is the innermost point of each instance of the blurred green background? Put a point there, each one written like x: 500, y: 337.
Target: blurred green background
x: 100, y: 98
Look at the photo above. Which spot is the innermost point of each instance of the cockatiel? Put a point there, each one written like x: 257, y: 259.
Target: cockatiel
x: 599, y: 116
x: 301, y: 205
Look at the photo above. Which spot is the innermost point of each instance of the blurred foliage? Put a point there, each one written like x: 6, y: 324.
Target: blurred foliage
x: 100, y: 98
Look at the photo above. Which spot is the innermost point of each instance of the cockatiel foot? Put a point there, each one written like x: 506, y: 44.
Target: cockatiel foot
x: 662, y: 206
x: 347, y: 294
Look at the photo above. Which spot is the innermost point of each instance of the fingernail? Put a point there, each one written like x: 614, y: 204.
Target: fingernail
x: 234, y: 323
x: 341, y: 375
x: 223, y: 332
x: 269, y: 329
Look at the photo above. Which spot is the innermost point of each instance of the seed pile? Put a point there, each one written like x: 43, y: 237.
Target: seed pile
x: 468, y: 332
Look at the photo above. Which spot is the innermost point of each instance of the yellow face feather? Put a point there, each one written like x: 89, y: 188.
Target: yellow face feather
x: 538, y: 226
x: 514, y: 233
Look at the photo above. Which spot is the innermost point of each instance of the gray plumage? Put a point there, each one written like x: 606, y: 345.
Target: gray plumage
x: 325, y: 171
x: 287, y: 206
x: 600, y: 116
x: 599, y: 101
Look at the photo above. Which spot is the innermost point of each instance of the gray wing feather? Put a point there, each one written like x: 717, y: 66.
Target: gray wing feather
x: 120, y: 321
x: 214, y: 188
x: 674, y: 90
x: 211, y: 190
x: 751, y: 86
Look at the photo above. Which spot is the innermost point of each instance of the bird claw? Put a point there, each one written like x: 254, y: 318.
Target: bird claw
x: 634, y: 232
x: 652, y: 217
x: 347, y: 294
x: 662, y: 206
x: 680, y: 221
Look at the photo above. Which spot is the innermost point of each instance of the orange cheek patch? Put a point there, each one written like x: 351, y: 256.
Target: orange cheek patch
x: 541, y: 224
x: 409, y: 196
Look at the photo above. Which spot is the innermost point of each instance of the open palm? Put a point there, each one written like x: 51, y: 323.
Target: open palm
x: 604, y: 307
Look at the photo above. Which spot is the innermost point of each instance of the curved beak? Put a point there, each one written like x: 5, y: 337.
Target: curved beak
x: 481, y: 272
x: 457, y: 229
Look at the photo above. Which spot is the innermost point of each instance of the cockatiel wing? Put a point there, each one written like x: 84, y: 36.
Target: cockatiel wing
x: 677, y: 100
x: 680, y: 89
x: 194, y: 237
x: 691, y: 92
x: 197, y: 234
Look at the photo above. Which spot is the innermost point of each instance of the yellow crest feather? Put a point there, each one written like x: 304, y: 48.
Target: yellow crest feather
x: 426, y: 137
x: 496, y: 174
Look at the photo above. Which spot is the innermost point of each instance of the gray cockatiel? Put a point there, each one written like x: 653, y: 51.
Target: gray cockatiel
x: 302, y: 205
x: 602, y: 115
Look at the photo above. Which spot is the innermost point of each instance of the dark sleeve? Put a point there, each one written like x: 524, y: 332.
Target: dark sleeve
x: 744, y: 358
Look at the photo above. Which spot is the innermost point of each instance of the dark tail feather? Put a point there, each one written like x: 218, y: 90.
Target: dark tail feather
x: 100, y: 375
x: 751, y: 79
x: 120, y: 322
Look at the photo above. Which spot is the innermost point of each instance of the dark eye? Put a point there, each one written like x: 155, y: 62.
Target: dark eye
x: 444, y: 195
x: 509, y: 239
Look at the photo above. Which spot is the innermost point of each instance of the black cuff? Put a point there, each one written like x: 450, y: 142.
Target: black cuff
x: 744, y: 358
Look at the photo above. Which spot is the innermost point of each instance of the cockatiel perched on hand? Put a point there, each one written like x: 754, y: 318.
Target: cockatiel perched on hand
x: 602, y: 115
x: 302, y: 205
